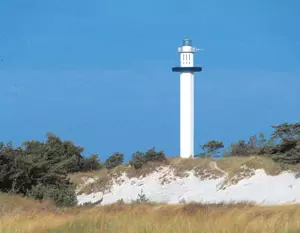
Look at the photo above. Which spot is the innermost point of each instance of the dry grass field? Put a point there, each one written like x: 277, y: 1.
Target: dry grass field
x: 19, y: 215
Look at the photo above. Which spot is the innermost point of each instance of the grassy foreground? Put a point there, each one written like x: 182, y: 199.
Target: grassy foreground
x: 26, y: 216
x: 20, y: 215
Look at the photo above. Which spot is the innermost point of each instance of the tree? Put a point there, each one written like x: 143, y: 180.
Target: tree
x: 40, y: 169
x: 286, y: 131
x: 137, y: 160
x: 239, y: 148
x: 141, y: 158
x: 114, y: 160
x: 252, y: 143
x: 153, y: 155
x: 288, y: 148
x: 212, y: 146
x: 91, y: 163
x: 23, y: 173
x: 262, y: 140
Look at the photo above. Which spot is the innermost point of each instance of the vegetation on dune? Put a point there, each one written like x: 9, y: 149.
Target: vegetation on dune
x: 114, y: 160
x: 283, y: 145
x: 210, y: 148
x: 287, y: 150
x: 141, y: 158
x: 41, y: 170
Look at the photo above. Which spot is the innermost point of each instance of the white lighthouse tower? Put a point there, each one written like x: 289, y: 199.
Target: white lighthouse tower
x: 186, y: 70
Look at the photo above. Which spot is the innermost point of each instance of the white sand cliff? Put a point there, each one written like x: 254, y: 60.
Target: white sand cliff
x: 259, y: 188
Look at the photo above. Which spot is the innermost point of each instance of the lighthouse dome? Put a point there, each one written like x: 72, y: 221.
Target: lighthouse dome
x: 187, y: 42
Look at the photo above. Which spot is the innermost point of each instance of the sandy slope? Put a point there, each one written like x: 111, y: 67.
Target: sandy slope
x: 259, y: 188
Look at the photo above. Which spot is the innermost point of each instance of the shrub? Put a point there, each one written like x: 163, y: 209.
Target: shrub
x: 203, y: 155
x: 60, y: 196
x: 114, y: 160
x: 141, y: 199
x: 152, y: 155
x: 40, y: 169
x: 239, y: 149
x: 91, y: 163
x: 120, y: 201
x: 212, y: 146
x: 254, y: 146
x: 283, y: 146
x: 288, y: 151
x: 140, y: 158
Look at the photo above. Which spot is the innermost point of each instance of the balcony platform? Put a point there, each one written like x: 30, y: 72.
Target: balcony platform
x: 187, y: 69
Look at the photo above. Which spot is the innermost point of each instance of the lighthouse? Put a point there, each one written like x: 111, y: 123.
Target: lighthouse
x: 187, y: 70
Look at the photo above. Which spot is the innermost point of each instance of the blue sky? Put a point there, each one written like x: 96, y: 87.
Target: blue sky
x: 99, y: 72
